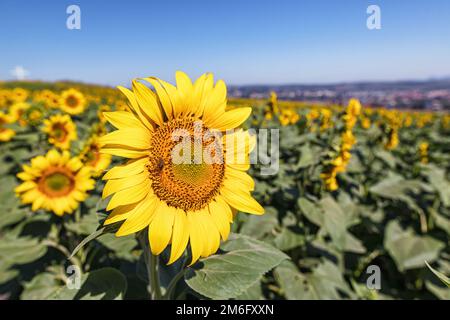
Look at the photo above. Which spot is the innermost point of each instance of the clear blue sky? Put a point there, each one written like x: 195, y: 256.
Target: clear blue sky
x: 242, y: 42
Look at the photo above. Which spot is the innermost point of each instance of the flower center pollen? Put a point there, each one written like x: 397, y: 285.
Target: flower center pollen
x: 56, y: 182
x: 192, y: 183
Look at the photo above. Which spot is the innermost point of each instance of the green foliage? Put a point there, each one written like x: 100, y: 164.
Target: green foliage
x: 390, y: 210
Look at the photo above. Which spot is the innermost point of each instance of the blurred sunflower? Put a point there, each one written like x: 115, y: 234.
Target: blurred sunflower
x: 180, y: 203
x: 61, y: 131
x: 54, y: 182
x: 5, y: 133
x: 101, y: 109
x: 48, y: 98
x: 19, y: 95
x: 17, y: 112
x: 92, y: 158
x: 72, y: 101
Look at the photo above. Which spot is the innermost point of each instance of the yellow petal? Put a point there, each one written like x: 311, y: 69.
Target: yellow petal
x: 121, y: 152
x: 25, y: 186
x: 135, y: 107
x: 131, y: 168
x: 195, y: 236
x: 148, y: 102
x: 211, y: 233
x: 53, y: 157
x: 185, y: 90
x: 140, y: 217
x: 123, y: 120
x: 116, y: 185
x: 120, y: 213
x: 230, y: 119
x: 180, y: 236
x: 216, y: 102
x: 130, y: 195
x: 239, y: 177
x: 160, y: 230
x: 241, y: 200
x: 133, y: 138
x: 220, y: 218
x: 163, y: 96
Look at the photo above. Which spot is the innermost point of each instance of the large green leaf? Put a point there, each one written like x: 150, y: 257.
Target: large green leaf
x: 436, y: 176
x: 101, y: 284
x: 395, y: 187
x: 20, y: 250
x: 409, y: 250
x: 41, y: 287
x: 311, y: 211
x: 231, y: 274
x: 335, y: 222
x: 324, y: 282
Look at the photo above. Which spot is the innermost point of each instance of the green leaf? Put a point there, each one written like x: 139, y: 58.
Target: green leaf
x: 307, y: 157
x: 87, y: 224
x: 259, y: 227
x: 387, y: 157
x: 122, y: 246
x: 324, y: 282
x: 287, y: 240
x: 41, y: 287
x: 436, y: 176
x: 231, y: 274
x: 440, y: 292
x: 311, y: 211
x: 102, y: 284
x: 334, y: 222
x: 395, y: 187
x: 252, y: 293
x: 409, y: 250
x: 20, y: 250
x: 441, y: 276
x: 94, y: 235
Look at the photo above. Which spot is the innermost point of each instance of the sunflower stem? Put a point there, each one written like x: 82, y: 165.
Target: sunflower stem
x: 173, y: 284
x: 151, y: 262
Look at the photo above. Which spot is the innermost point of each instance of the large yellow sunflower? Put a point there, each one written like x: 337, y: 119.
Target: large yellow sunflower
x: 180, y: 202
x: 61, y: 131
x: 5, y: 133
x: 72, y: 101
x: 92, y: 158
x: 54, y: 182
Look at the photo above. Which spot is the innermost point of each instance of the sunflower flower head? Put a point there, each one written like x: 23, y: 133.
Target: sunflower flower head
x: 17, y: 112
x: 5, y: 133
x: 186, y: 170
x: 61, y: 131
x: 72, y: 101
x: 54, y: 182
x: 92, y: 158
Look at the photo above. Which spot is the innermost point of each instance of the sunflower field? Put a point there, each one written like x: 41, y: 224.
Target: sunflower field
x: 92, y: 206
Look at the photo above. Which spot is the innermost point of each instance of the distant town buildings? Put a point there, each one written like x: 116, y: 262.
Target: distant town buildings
x: 430, y: 95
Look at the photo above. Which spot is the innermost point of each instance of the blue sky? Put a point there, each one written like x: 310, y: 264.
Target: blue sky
x: 242, y: 42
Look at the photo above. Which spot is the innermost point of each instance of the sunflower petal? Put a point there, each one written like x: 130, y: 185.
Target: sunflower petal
x: 180, y: 236
x: 132, y: 167
x: 160, y: 230
x: 241, y: 200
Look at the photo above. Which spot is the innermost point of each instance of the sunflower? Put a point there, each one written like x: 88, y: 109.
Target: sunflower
x: 19, y: 95
x: 72, y: 101
x: 180, y: 202
x: 92, y: 158
x: 5, y: 133
x: 61, y: 131
x: 48, y: 98
x: 17, y: 112
x: 54, y: 182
